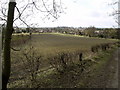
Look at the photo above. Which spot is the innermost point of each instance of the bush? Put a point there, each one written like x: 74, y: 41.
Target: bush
x: 31, y: 63
x: 95, y: 48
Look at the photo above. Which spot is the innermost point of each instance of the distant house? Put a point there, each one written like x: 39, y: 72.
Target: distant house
x: 64, y: 32
x: 73, y: 33
x: 41, y: 31
x: 97, y: 32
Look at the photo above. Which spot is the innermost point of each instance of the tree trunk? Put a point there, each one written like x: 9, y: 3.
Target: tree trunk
x: 6, y: 54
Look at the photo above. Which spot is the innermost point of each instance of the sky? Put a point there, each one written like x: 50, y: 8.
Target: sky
x: 85, y: 13
x: 77, y: 13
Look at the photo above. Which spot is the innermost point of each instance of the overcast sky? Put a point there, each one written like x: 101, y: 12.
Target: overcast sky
x: 85, y: 13
x: 77, y: 13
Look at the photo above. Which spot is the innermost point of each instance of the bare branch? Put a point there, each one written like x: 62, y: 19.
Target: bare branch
x: 38, y: 8
x: 20, y: 13
x: 19, y: 17
x: 15, y: 49
x: 3, y: 19
x: 3, y: 10
x: 49, y: 11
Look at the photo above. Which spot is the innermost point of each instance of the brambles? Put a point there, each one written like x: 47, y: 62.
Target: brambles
x: 29, y: 64
x: 103, y: 47
x: 94, y: 49
x: 61, y: 61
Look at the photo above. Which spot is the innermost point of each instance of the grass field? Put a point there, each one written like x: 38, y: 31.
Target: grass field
x: 45, y: 45
x: 54, y: 43
x: 49, y: 45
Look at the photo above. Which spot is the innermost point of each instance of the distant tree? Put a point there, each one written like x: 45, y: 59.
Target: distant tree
x: 112, y: 33
x: 105, y: 33
x: 90, y: 31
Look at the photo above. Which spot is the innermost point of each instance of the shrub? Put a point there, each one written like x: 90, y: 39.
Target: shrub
x: 94, y: 48
x: 31, y: 62
x: 64, y: 60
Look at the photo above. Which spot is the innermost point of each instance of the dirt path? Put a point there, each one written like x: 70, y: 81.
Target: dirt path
x: 107, y: 75
x: 114, y: 81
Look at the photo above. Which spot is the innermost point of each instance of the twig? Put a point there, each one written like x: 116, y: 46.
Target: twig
x: 15, y: 49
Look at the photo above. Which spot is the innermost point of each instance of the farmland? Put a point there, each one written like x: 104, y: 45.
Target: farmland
x: 43, y: 47
x: 53, y: 43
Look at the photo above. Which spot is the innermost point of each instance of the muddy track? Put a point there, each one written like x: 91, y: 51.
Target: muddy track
x: 107, y: 76
x: 114, y: 81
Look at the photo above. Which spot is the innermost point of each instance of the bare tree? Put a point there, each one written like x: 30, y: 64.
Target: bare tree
x: 24, y: 10
x: 116, y: 15
x: 119, y: 15
x: 119, y: 19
